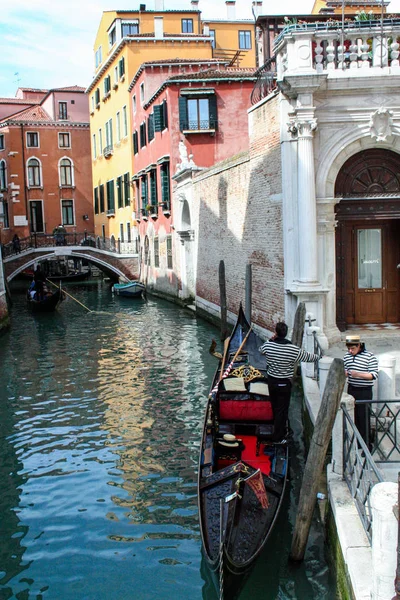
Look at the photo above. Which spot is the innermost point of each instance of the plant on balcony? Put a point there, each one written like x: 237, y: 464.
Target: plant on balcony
x: 152, y: 211
x: 165, y: 208
x: 361, y: 15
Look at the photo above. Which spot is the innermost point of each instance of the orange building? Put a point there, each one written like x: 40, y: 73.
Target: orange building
x: 45, y: 167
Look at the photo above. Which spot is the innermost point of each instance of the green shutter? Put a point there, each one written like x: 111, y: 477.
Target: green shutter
x: 127, y: 190
x: 119, y: 192
x: 165, y: 184
x: 102, y: 198
x: 158, y: 118
x: 153, y: 187
x: 122, y: 67
x: 96, y: 200
x: 183, y: 114
x: 135, y: 143
x: 165, y: 114
x: 212, y: 107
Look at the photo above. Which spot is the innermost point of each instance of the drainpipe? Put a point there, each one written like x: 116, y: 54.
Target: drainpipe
x: 24, y: 174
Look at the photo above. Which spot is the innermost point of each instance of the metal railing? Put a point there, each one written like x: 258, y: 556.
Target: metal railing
x: 199, y: 125
x: 382, y: 429
x: 359, y: 470
x: 266, y: 81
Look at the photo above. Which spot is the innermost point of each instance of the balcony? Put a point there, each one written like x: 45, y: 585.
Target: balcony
x: 197, y: 126
x: 111, y: 212
x: 108, y: 151
x: 338, y: 50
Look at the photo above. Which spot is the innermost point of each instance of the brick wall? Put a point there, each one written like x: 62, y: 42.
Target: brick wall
x: 239, y: 205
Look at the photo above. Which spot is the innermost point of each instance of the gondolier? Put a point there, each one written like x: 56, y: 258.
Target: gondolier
x: 361, y: 369
x: 282, y: 357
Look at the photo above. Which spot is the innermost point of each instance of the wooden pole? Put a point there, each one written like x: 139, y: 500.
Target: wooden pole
x: 298, y: 326
x: 316, y: 457
x: 222, y: 293
x: 248, y: 293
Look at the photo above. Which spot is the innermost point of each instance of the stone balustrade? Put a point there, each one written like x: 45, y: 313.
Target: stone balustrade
x: 336, y: 52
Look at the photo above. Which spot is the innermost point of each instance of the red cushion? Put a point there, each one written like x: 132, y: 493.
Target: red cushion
x: 245, y: 410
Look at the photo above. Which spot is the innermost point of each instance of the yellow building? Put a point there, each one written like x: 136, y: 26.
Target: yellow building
x: 349, y: 6
x: 126, y: 39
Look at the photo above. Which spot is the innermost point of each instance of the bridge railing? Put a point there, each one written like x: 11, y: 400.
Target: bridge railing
x: 85, y: 238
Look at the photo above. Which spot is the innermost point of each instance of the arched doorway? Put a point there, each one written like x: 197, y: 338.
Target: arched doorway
x: 368, y: 239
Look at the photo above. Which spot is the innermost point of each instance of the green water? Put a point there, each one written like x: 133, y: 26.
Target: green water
x: 100, y: 423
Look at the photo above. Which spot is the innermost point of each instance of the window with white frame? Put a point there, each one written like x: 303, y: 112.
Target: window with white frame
x: 100, y: 142
x: 93, y: 102
x: 169, y: 252
x: 128, y: 233
x: 121, y: 232
x: 245, y: 40
x: 98, y: 57
x: 32, y: 139
x: 116, y: 76
x: 124, y: 122
x: 64, y: 140
x: 94, y: 146
x: 142, y: 93
x: 34, y: 172
x: 3, y: 175
x: 2, y: 146
x: 63, y: 111
x: 187, y: 25
x: 112, y: 37
x: 109, y: 134
x: 67, y: 207
x: 118, y: 127
x: 129, y: 28
x: 66, y: 173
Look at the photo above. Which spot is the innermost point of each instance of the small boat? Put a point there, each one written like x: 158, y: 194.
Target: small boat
x: 242, y: 472
x: 132, y: 289
x: 49, y: 302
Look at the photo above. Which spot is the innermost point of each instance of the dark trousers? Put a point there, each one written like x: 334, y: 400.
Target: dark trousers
x: 361, y: 411
x: 279, y: 393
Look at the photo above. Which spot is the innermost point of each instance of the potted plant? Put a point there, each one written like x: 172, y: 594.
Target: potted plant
x: 152, y: 211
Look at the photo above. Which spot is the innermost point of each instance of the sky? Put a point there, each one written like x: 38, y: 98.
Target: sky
x: 49, y: 43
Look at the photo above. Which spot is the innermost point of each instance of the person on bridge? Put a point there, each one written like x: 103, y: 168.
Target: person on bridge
x: 16, y: 244
x: 361, y: 368
x: 282, y: 357
x: 59, y: 235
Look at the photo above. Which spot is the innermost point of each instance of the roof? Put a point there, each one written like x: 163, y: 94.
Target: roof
x: 127, y: 12
x: 25, y: 89
x: 34, y: 114
x: 19, y: 101
x: 71, y: 88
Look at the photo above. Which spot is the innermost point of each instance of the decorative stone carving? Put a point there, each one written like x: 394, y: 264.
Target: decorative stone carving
x: 306, y: 128
x: 381, y: 125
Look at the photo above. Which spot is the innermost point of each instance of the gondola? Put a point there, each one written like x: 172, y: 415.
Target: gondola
x: 70, y: 277
x: 242, y: 472
x: 48, y: 304
x: 132, y: 289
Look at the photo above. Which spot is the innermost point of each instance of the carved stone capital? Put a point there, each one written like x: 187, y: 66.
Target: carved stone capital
x: 306, y: 128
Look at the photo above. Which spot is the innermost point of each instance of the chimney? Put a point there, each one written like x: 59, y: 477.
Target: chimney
x: 195, y: 4
x: 158, y: 28
x: 257, y: 8
x: 159, y: 5
x: 142, y: 7
x: 231, y: 9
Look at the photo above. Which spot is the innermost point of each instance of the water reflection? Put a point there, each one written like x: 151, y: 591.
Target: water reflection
x: 100, y: 418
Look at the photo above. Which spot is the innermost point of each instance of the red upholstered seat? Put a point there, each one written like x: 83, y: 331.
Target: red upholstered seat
x: 245, y: 410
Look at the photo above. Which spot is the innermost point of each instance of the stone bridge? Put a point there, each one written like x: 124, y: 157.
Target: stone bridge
x: 116, y: 265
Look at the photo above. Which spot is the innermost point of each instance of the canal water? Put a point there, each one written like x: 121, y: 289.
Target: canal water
x: 100, y: 423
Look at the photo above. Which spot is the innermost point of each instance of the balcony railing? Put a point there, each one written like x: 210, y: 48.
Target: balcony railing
x: 108, y: 151
x: 266, y: 81
x: 203, y: 125
x: 331, y: 48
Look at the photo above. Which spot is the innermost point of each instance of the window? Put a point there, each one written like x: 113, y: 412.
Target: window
x: 34, y: 179
x: 97, y: 97
x: 109, y: 135
x: 156, y: 252
x: 107, y: 85
x: 169, y: 252
x: 4, y: 214
x: 127, y: 189
x: 96, y: 200
x: 124, y: 122
x: 2, y: 141
x: 245, y: 40
x: 135, y: 142
x: 160, y: 116
x: 64, y: 140
x: 198, y: 114
x: 100, y: 142
x: 67, y: 212
x: 115, y: 77
x: 128, y: 233
x: 213, y: 39
x: 97, y: 57
x: 165, y: 186
x: 94, y: 146
x: 62, y: 111
x: 134, y: 104
x: 144, y: 191
x: 142, y: 93
x: 150, y: 127
x: 112, y: 37
x: 120, y: 201
x: 187, y: 25
x: 66, y: 178
x: 130, y: 29
x: 32, y: 140
x: 142, y: 134
x: 102, y: 198
x: 121, y: 67
x: 3, y: 175
x: 110, y: 196
x: 153, y: 187
x: 121, y: 232
x: 118, y: 127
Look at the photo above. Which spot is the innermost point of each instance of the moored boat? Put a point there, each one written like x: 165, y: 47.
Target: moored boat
x: 70, y: 277
x: 48, y: 303
x: 242, y: 472
x: 132, y: 289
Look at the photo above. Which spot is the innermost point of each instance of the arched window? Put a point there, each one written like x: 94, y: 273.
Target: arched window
x: 3, y: 175
x: 34, y: 179
x: 66, y: 173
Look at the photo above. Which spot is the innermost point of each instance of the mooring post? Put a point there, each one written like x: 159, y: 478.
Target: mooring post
x: 316, y: 457
x: 222, y: 293
x: 298, y: 325
x: 248, y: 292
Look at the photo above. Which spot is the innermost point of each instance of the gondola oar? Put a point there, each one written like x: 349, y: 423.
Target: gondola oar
x: 70, y: 295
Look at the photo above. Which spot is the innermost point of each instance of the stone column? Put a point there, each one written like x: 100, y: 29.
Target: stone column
x: 387, y: 377
x: 384, y: 540
x: 308, y: 271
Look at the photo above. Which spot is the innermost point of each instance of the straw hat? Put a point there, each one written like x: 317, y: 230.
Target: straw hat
x: 352, y: 340
x: 229, y: 441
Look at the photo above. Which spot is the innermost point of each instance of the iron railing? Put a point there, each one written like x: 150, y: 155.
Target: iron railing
x: 199, y: 125
x: 359, y: 471
x: 382, y: 423
x: 266, y: 81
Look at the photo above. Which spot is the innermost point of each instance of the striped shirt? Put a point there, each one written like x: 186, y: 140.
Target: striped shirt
x: 282, y: 357
x: 363, y: 361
